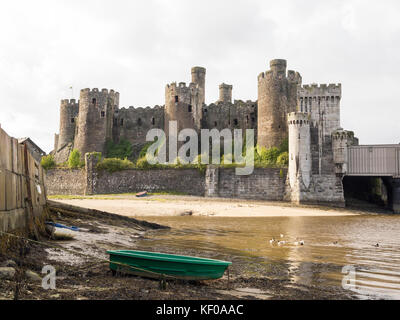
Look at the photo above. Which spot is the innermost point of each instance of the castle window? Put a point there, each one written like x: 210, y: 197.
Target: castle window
x: 103, y: 114
x: 235, y: 122
x: 72, y: 120
x: 205, y: 110
x: 153, y: 121
x: 247, y: 119
x: 94, y: 101
x: 176, y: 99
x: 139, y: 122
x: 215, y: 123
x: 121, y: 122
x: 189, y: 108
x: 253, y: 119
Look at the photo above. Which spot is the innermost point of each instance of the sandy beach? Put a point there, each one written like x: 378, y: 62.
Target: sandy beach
x: 171, y: 205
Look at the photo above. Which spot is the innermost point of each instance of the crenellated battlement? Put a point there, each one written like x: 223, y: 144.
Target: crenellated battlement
x: 96, y: 91
x: 298, y: 118
x: 69, y: 102
x: 141, y: 109
x: 320, y: 90
x: 341, y: 134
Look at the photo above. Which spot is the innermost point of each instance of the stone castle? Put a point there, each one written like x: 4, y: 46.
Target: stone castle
x: 309, y: 115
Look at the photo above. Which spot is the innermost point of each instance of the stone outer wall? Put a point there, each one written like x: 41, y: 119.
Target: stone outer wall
x: 263, y: 184
x: 65, y: 182
x: 188, y: 181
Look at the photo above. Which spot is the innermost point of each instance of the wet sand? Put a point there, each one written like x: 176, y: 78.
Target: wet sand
x: 170, y: 205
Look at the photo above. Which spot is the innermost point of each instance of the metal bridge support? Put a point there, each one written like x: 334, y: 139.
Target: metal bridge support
x: 396, y: 195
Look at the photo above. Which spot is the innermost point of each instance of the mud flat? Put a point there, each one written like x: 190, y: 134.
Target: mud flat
x: 82, y: 269
x: 171, y: 205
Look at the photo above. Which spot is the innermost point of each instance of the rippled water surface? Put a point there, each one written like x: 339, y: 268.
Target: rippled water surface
x: 330, y: 244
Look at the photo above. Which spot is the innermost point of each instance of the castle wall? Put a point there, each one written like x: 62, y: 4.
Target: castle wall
x: 95, y: 120
x: 263, y: 184
x: 277, y: 96
x: 65, y: 181
x: 132, y: 124
x: 237, y: 115
x: 189, y: 181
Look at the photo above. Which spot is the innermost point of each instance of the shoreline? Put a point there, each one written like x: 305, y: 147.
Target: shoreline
x: 179, y: 205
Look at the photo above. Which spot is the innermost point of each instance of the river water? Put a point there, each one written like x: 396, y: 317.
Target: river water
x: 330, y: 243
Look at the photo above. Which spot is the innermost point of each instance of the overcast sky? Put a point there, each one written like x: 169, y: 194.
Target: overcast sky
x: 137, y: 47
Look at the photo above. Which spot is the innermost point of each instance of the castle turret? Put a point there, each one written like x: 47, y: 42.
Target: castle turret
x: 300, y: 162
x: 277, y: 96
x: 68, y: 112
x: 199, y: 78
x: 95, y: 120
x: 225, y: 93
x: 341, y: 140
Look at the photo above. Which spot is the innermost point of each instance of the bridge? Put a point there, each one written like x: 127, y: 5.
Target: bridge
x: 377, y: 161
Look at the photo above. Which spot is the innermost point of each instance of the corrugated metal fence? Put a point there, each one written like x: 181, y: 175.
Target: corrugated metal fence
x: 22, y: 190
x: 374, y: 160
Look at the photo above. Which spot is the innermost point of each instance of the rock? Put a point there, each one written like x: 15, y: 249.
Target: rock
x: 55, y: 296
x: 187, y: 213
x: 9, y: 263
x: 32, y: 276
x: 7, y: 273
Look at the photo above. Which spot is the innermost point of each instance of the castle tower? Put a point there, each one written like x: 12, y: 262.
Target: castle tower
x: 277, y: 96
x: 199, y: 78
x: 322, y: 102
x: 225, y: 93
x: 95, y: 120
x: 68, y: 112
x: 183, y: 104
x: 300, y: 162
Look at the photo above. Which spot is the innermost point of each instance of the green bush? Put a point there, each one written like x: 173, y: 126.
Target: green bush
x: 283, y: 159
x: 121, y: 150
x: 284, y: 147
x: 115, y: 164
x: 74, y: 160
x: 143, y: 152
x: 48, y: 162
x: 142, y: 163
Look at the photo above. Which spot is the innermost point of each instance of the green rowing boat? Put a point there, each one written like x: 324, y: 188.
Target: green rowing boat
x: 156, y: 265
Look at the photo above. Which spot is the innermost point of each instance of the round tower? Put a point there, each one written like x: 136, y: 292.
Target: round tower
x: 95, y: 120
x: 277, y: 96
x: 300, y: 163
x: 182, y: 104
x: 68, y: 112
x: 199, y: 78
x: 225, y: 93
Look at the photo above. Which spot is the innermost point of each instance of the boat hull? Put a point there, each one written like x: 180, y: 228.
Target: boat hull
x: 157, y: 265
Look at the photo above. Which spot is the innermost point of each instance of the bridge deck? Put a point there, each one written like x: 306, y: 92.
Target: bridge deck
x: 374, y: 160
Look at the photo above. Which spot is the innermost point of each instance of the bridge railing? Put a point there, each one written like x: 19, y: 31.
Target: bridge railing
x: 374, y: 160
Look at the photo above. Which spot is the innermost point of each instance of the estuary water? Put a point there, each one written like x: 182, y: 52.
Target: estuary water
x: 368, y: 246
